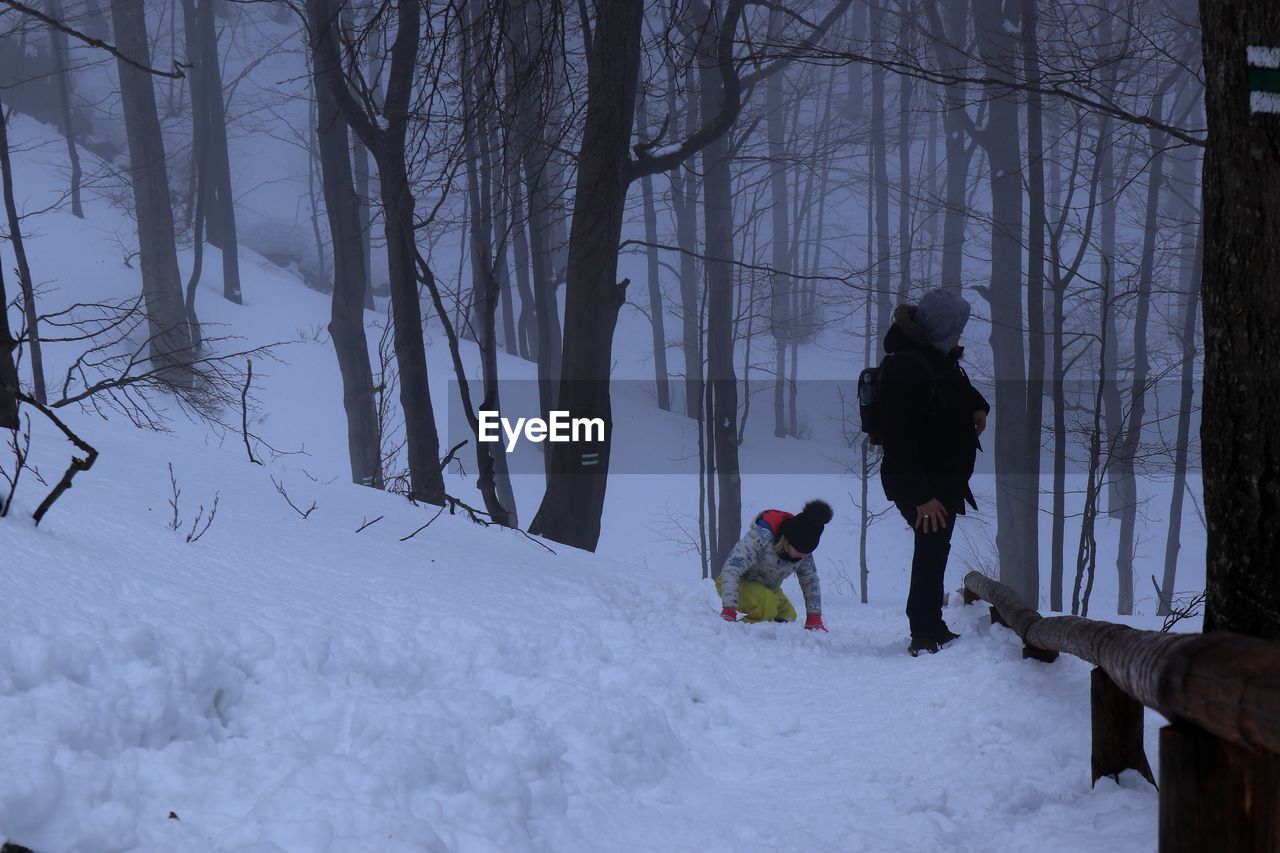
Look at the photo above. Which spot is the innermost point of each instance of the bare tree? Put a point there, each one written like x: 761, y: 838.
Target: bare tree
x: 25, y: 284
x: 170, y: 338
x: 209, y: 140
x: 350, y: 284
x: 58, y: 49
x: 385, y: 136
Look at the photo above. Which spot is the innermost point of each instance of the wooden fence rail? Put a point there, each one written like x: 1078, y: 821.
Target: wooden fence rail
x: 1219, y: 757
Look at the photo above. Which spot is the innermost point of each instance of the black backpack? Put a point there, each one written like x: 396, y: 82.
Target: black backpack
x: 869, y: 383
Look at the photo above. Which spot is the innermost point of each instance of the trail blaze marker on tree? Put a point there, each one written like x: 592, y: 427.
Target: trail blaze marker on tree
x: 1264, y: 79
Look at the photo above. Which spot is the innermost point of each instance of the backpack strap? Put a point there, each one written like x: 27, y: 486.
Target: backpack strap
x: 920, y: 359
x: 772, y: 519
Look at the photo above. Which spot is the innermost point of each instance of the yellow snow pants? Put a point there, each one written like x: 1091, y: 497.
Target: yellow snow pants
x: 760, y: 603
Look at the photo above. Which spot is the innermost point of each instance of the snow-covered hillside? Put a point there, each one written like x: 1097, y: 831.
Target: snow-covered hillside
x: 297, y: 684
x: 300, y: 684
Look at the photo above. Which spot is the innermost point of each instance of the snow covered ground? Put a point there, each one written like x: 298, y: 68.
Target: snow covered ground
x: 294, y: 684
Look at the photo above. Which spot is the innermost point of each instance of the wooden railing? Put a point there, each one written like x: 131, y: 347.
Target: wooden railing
x: 1219, y: 756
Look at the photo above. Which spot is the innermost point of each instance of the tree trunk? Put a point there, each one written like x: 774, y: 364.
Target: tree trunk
x: 1173, y: 543
x: 884, y: 250
x: 718, y: 227
x: 1239, y: 433
x: 780, y: 299
x: 365, y: 179
x: 8, y: 371
x: 1017, y: 489
x: 1033, y: 425
x: 957, y: 154
x: 58, y: 48
x: 904, y: 169
x: 25, y: 284
x: 221, y: 214
x: 503, y: 230
x: 529, y: 60
x: 854, y: 100
x: 656, y: 311
x: 422, y: 440
x: 491, y: 461
x: 346, y: 324
x: 578, y: 472
x: 385, y: 139
x: 526, y: 326
x: 1127, y: 451
x: 170, y: 343
x: 685, y: 189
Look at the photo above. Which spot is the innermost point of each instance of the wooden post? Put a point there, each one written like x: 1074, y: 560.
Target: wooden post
x: 1042, y: 655
x: 1215, y: 795
x: 1117, y: 730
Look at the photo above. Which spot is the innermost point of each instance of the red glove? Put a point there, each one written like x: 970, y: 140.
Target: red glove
x: 728, y: 614
x: 813, y: 622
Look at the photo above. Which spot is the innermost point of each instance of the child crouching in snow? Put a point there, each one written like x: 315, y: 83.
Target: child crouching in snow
x: 776, y: 545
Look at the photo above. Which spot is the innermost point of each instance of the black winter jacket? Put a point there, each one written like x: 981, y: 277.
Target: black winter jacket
x: 930, y: 444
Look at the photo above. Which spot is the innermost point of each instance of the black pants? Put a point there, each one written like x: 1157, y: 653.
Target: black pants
x: 928, y: 565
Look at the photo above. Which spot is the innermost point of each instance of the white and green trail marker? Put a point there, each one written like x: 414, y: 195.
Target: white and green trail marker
x: 1264, y: 79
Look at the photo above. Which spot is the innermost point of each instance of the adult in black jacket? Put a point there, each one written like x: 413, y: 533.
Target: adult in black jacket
x: 931, y: 416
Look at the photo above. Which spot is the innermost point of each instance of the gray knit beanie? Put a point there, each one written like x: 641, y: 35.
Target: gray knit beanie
x: 942, y: 315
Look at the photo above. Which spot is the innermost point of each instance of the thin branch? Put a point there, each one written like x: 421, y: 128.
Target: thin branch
x: 77, y: 464
x: 175, y: 74
x: 365, y: 524
x: 244, y: 410
x: 193, y: 535
x: 280, y: 488
x: 423, y: 527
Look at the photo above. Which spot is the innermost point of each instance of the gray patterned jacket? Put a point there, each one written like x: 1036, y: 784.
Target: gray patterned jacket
x: 754, y: 559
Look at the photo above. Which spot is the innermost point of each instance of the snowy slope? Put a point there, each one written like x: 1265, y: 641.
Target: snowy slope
x: 293, y: 684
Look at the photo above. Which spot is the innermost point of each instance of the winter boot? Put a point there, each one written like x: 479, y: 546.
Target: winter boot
x: 945, y: 635
x: 921, y: 645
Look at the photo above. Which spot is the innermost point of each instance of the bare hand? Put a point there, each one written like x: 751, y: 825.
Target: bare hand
x: 979, y: 421
x: 931, y: 517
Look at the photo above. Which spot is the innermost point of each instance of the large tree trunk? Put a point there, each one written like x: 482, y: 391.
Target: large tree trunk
x: 578, y: 472
x: 170, y: 337
x: 346, y: 324
x: 1017, y: 488
x: 1239, y: 432
x: 58, y: 48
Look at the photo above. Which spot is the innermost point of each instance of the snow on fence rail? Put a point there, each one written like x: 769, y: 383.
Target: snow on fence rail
x: 1220, y: 754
